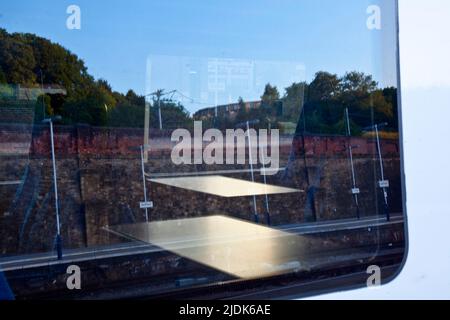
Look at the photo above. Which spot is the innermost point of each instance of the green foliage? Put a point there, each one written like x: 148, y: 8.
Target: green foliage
x: 173, y: 115
x: 6, y: 91
x: 127, y: 115
x: 3, y: 79
x: 43, y: 108
x: 270, y: 95
x: 30, y: 61
x: 57, y: 66
x: 328, y: 96
x: 134, y: 99
x: 324, y: 87
x: 293, y: 101
x: 16, y: 59
x: 319, y: 107
x: 91, y: 109
x: 130, y: 113
x: 357, y: 84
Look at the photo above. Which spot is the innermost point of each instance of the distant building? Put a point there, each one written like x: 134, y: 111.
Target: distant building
x: 21, y: 93
x: 228, y: 110
x: 32, y: 93
x: 20, y: 101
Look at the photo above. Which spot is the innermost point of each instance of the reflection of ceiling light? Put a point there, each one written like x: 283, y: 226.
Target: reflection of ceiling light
x: 235, y: 247
x: 224, y: 186
x: 192, y: 72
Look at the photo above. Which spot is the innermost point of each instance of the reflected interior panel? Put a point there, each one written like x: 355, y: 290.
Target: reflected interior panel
x: 239, y: 248
x: 224, y: 186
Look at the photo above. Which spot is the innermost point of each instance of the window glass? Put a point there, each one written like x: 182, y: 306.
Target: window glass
x: 192, y: 148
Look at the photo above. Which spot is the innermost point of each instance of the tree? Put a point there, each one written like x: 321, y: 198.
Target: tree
x: 58, y: 66
x: 270, y: 95
x: 30, y: 60
x: 2, y: 76
x: 391, y: 97
x: 103, y: 90
x: 356, y: 87
x: 294, y: 100
x: 324, y: 87
x: 134, y: 99
x: 91, y: 109
x: 127, y: 115
x: 16, y: 59
x: 241, y: 103
x: 43, y: 108
x: 174, y: 115
x: 358, y: 83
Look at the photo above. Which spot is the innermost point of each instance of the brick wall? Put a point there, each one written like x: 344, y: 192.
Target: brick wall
x: 100, y: 184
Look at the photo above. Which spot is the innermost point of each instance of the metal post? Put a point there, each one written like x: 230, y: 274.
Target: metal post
x: 146, y: 130
x: 58, y: 226
x: 159, y: 94
x: 159, y: 114
x: 143, y: 181
x: 251, y: 170
x: 216, y: 93
x: 265, y: 183
x: 42, y: 95
x: 379, y: 152
x: 355, y: 195
x: 386, y: 204
x: 311, y: 190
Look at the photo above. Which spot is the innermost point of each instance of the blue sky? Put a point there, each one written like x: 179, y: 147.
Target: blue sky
x: 118, y: 36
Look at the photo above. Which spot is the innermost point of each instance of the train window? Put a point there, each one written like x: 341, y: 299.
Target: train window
x: 179, y: 149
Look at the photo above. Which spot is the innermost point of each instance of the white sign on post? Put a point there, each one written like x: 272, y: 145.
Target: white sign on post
x: 356, y: 191
x: 384, y: 183
x: 146, y: 205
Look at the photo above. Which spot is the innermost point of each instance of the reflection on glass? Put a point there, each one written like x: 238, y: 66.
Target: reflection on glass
x: 237, y: 248
x: 270, y: 139
x: 223, y: 186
